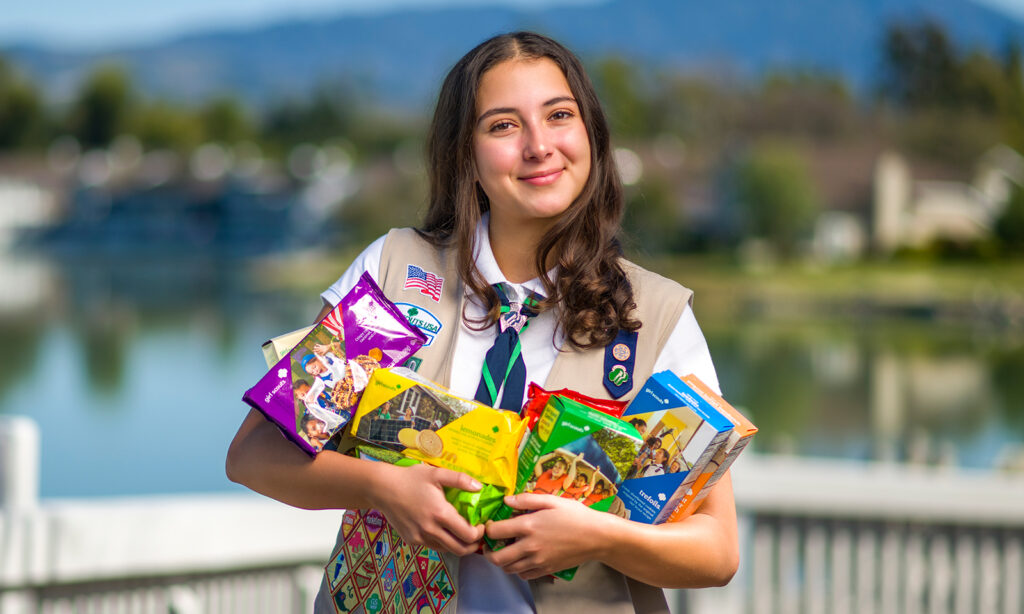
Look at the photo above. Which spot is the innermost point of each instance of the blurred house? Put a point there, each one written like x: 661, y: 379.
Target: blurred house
x: 911, y: 212
x: 30, y: 200
x: 125, y: 203
x: 27, y: 201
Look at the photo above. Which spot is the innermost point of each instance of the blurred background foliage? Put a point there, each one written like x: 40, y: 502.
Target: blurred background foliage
x: 941, y: 104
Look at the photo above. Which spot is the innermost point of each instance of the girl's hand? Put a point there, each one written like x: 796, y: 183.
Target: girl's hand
x: 559, y: 533
x: 320, y: 349
x: 412, y: 499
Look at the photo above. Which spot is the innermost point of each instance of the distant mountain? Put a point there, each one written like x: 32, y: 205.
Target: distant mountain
x: 400, y: 57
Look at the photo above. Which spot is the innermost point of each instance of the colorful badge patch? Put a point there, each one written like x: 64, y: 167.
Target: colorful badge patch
x: 426, y: 282
x: 374, y: 523
x: 345, y: 600
x: 381, y: 552
x: 421, y: 319
x: 621, y: 352
x: 336, y: 569
x: 440, y: 591
x: 376, y: 572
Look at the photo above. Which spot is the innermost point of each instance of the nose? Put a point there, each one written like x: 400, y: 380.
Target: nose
x: 537, y: 143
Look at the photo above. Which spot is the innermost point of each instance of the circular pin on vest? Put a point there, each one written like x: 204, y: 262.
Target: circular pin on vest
x: 620, y: 352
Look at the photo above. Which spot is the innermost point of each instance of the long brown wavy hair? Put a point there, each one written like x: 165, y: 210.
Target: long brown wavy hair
x: 591, y: 288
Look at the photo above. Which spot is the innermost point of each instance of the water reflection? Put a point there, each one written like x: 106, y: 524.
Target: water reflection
x: 894, y: 391
x: 134, y: 370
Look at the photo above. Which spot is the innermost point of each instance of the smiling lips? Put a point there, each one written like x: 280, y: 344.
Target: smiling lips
x: 543, y: 177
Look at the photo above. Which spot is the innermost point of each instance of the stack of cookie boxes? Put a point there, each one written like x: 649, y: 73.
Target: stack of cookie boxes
x: 699, y: 435
x: 375, y: 571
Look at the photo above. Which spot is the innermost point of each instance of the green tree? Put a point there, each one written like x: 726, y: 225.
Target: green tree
x: 920, y: 66
x: 22, y: 118
x: 652, y: 218
x: 102, y: 108
x: 1009, y: 226
x: 326, y: 115
x: 776, y: 195
x: 1013, y: 65
x: 620, y: 91
x: 224, y: 119
x: 161, y: 125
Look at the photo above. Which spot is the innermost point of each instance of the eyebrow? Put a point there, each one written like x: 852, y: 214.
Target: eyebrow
x: 500, y: 110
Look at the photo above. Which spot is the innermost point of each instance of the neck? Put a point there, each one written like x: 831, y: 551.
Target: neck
x: 515, y: 248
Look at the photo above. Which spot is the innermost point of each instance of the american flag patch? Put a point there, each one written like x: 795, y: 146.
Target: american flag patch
x: 333, y: 322
x: 424, y: 281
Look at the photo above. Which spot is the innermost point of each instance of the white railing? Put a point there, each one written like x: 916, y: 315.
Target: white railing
x: 818, y: 537
x: 186, y: 554
x: 834, y: 537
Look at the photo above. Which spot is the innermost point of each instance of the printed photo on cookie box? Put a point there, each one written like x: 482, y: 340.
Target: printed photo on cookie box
x: 310, y: 392
x: 682, y: 432
x: 576, y: 452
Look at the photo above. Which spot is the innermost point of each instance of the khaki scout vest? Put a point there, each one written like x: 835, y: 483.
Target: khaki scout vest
x: 596, y: 587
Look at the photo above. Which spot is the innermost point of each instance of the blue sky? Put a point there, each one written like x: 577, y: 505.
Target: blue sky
x: 91, y: 23
x: 78, y: 23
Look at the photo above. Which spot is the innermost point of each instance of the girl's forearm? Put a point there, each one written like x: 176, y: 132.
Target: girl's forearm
x: 699, y: 551
x: 263, y: 460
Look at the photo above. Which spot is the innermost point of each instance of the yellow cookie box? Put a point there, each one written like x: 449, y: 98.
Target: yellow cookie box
x: 475, y: 439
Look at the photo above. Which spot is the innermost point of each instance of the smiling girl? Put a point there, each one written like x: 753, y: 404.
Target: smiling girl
x: 521, y: 245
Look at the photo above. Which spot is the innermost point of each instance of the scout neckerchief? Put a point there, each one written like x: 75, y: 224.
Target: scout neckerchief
x: 503, y: 363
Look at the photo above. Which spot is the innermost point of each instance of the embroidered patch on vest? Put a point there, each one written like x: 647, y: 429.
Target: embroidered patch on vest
x: 421, y: 319
x: 426, y: 282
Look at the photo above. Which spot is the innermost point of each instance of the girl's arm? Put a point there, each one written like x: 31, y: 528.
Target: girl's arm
x: 570, y: 475
x: 590, y: 485
x: 412, y: 498
x: 538, y: 468
x: 700, y: 551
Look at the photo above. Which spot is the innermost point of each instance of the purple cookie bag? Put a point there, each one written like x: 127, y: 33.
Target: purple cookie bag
x: 311, y: 392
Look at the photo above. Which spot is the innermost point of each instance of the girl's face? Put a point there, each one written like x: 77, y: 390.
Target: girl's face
x: 530, y: 145
x: 315, y: 429
x: 558, y: 470
x: 581, y: 480
x: 315, y: 367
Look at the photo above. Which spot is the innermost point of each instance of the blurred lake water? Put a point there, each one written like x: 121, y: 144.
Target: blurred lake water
x: 134, y: 371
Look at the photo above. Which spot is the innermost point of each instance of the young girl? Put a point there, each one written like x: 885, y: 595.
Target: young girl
x: 520, y: 243
x: 581, y: 486
x: 553, y: 480
x: 658, y: 464
x: 598, y: 493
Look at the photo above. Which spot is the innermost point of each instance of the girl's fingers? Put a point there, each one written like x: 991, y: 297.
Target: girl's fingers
x: 531, y: 501
x: 455, y: 479
x: 507, y: 558
x: 460, y: 529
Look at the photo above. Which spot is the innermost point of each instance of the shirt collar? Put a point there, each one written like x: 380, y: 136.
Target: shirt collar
x: 488, y: 266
